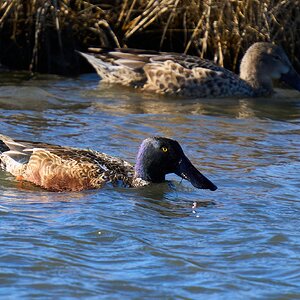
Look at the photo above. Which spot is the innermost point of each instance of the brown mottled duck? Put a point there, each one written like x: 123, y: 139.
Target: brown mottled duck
x: 190, y: 76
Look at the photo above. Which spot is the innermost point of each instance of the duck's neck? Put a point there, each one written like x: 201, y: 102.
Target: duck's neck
x: 146, y: 169
x: 250, y: 71
x: 140, y: 171
x: 145, y: 172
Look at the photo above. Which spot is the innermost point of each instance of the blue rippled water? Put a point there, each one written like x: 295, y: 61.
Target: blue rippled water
x: 169, y: 240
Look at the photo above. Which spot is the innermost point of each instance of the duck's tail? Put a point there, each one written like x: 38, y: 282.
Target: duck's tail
x: 102, y: 68
x: 12, y: 155
x: 114, y: 69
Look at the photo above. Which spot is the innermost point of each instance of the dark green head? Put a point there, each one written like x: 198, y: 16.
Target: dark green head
x: 159, y: 156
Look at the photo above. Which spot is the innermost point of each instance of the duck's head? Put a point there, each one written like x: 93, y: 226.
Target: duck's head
x: 159, y: 156
x: 264, y: 62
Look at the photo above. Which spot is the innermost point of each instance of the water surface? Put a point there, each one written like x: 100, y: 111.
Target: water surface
x: 167, y: 241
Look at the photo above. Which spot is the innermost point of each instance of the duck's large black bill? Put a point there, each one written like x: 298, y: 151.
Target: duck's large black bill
x: 187, y: 171
x: 292, y: 78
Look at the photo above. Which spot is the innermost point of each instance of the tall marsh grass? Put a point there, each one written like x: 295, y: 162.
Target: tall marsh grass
x: 44, y: 33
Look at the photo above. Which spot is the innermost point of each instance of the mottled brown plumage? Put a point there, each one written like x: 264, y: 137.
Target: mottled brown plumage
x: 60, y: 168
x: 185, y: 75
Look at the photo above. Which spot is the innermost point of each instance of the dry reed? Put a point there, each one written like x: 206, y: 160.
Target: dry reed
x: 219, y: 30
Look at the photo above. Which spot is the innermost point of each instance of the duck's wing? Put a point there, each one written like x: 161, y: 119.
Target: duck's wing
x: 136, y: 59
x: 188, y: 62
x: 126, y: 66
x: 61, y: 168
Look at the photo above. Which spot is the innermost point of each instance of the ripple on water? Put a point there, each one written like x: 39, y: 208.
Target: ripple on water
x: 164, y: 241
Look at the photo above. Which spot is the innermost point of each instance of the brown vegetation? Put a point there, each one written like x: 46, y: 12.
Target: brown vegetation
x: 41, y: 35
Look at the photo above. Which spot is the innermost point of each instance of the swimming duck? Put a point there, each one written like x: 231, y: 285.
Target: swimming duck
x: 190, y: 76
x: 58, y: 168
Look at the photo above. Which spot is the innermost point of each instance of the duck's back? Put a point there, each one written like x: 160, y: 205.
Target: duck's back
x: 60, y: 168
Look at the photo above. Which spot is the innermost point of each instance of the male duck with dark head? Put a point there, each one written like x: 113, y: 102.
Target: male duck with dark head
x: 190, y: 76
x: 58, y: 168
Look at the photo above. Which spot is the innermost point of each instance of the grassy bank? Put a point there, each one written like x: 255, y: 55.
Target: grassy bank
x: 41, y: 35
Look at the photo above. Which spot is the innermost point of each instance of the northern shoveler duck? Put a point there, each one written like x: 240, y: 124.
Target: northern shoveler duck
x: 185, y: 75
x: 58, y: 168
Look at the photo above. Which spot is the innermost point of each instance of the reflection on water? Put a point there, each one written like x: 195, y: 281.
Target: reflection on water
x: 167, y: 240
x: 280, y: 106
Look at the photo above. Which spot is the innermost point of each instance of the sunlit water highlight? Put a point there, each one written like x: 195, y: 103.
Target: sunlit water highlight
x: 167, y: 241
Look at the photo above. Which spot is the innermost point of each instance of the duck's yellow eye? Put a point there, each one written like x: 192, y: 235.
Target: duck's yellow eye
x: 164, y: 149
